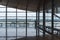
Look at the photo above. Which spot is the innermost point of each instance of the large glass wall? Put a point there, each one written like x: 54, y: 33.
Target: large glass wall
x: 16, y: 23
x: 21, y: 23
x: 31, y: 18
x: 2, y: 23
x: 13, y: 23
x: 50, y: 19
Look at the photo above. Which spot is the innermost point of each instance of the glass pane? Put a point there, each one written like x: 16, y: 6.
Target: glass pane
x: 21, y: 23
x: 2, y: 23
x: 31, y: 17
x: 11, y: 21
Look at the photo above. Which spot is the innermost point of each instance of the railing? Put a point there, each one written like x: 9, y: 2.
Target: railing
x: 49, y: 32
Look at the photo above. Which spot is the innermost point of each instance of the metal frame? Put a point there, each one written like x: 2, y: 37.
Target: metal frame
x: 57, y: 16
x: 16, y: 20
x: 37, y: 19
x: 36, y: 25
x: 26, y: 16
x: 52, y: 22
x: 44, y: 18
x: 6, y: 18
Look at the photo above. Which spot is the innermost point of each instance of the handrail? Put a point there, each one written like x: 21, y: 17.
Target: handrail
x: 50, y: 32
x: 57, y: 16
x: 51, y: 28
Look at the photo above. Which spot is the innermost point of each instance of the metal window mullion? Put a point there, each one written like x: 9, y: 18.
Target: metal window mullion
x: 44, y: 18
x: 16, y: 23
x: 38, y: 21
x: 52, y: 23
x: 26, y: 23
x: 38, y: 16
x: 36, y: 25
x: 16, y: 18
x: 6, y: 20
x: 26, y: 17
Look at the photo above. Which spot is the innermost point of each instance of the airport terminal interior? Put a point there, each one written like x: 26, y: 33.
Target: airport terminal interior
x: 29, y: 19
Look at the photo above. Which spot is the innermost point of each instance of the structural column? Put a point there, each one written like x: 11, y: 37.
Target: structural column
x: 44, y: 18
x: 52, y: 22
x: 26, y: 16
x: 6, y: 19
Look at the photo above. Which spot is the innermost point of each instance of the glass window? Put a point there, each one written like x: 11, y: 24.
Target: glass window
x: 12, y: 25
x: 21, y: 11
x: 8, y: 25
x: 11, y: 9
x: 1, y: 25
x: 2, y: 6
x: 2, y: 10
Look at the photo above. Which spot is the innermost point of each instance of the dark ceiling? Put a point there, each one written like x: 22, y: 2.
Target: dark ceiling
x: 31, y: 5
